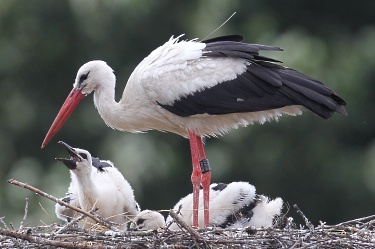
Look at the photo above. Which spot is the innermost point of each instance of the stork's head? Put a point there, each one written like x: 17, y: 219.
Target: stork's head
x: 148, y: 219
x: 93, y: 75
x: 82, y: 160
x: 90, y: 77
x: 79, y: 160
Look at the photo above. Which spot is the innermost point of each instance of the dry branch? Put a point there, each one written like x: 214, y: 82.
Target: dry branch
x: 38, y: 240
x: 195, y: 235
x: 25, y: 214
x: 48, y: 196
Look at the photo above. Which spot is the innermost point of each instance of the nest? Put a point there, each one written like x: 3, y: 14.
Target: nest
x: 357, y: 233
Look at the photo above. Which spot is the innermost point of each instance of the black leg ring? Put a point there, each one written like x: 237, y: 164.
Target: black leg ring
x: 205, y: 165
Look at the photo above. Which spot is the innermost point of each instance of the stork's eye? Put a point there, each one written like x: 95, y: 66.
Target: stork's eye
x: 83, y: 155
x: 83, y: 77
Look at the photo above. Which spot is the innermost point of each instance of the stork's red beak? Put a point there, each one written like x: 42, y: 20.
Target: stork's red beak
x: 71, y: 102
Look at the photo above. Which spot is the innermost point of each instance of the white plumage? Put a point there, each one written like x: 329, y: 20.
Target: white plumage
x: 148, y: 220
x: 71, y: 197
x: 199, y: 89
x: 97, y: 183
x: 170, y: 72
x: 234, y: 205
x: 146, y: 87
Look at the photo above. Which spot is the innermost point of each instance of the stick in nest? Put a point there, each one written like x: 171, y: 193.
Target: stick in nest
x: 25, y: 214
x: 3, y: 222
x: 48, y: 196
x: 195, y: 235
x: 308, y: 223
x: 39, y: 240
x: 73, y: 221
x: 371, y: 218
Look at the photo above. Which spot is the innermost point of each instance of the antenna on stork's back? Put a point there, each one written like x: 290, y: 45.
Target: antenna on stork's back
x: 220, y: 26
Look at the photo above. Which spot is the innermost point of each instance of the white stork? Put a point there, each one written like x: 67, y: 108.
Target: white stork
x: 97, y: 183
x: 199, y: 89
x: 233, y: 205
x: 148, y: 220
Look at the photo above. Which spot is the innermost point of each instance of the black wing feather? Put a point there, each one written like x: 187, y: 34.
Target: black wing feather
x: 263, y: 86
x: 219, y: 187
x: 99, y: 164
x: 244, y: 213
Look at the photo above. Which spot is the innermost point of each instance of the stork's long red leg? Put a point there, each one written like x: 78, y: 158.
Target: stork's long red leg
x: 205, y: 181
x: 196, y: 175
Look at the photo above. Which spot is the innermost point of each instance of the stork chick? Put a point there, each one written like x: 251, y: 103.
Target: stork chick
x: 97, y: 183
x: 233, y: 205
x: 148, y: 220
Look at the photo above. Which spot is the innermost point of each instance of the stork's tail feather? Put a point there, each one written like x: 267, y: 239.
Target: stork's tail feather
x: 311, y: 93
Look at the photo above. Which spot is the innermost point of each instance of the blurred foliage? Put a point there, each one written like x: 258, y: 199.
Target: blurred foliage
x: 327, y: 167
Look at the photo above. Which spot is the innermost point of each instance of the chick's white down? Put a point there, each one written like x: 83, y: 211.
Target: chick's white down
x: 228, y: 203
x: 107, y: 190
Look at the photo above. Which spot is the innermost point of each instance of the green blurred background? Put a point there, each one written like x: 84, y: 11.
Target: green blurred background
x: 327, y: 167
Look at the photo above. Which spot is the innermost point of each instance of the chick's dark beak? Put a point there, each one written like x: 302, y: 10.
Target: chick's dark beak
x: 71, y: 162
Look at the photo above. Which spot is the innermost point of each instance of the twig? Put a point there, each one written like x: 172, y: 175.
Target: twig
x: 39, y: 240
x: 48, y: 196
x: 195, y: 235
x: 275, y: 238
x: 25, y: 214
x: 171, y: 222
x: 70, y: 223
x: 3, y: 222
x: 308, y: 223
x: 43, y: 228
x: 45, y: 211
x: 104, y: 222
x: 356, y: 220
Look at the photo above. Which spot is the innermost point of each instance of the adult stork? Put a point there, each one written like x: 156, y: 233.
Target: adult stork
x: 199, y: 89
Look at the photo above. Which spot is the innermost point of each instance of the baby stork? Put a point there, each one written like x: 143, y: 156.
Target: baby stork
x: 96, y: 183
x: 233, y: 205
